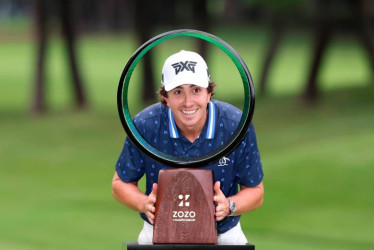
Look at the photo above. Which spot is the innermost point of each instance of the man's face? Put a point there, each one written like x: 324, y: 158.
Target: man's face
x: 189, y: 106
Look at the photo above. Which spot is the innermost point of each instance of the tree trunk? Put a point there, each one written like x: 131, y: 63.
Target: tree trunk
x: 278, y: 30
x: 365, y: 29
x: 322, y: 36
x: 231, y: 10
x: 201, y: 17
x: 39, y: 102
x: 69, y: 37
x: 143, y: 24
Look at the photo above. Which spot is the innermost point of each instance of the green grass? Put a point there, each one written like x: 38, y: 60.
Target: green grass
x: 319, y: 171
x: 56, y: 169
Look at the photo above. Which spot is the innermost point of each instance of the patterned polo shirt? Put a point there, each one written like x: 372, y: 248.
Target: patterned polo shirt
x: 157, y: 126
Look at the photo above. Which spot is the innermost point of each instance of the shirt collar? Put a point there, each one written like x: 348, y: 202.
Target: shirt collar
x: 173, y: 131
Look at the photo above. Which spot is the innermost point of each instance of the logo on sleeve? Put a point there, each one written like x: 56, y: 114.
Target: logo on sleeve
x: 187, y: 65
x: 223, y: 162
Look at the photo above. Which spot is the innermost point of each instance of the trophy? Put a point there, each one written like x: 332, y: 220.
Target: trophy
x: 184, y: 207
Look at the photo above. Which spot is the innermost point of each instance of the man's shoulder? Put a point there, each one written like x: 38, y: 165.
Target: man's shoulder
x: 227, y: 111
x: 151, y: 112
x: 150, y: 117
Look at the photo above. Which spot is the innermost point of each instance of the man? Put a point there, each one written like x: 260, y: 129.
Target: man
x: 188, y: 123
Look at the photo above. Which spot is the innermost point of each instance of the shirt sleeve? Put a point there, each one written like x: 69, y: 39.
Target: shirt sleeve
x: 249, y: 168
x: 130, y: 164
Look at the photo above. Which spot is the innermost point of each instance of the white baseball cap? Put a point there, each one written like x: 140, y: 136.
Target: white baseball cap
x: 185, y: 67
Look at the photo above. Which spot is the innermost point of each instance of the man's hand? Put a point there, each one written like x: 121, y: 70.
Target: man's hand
x: 149, y: 204
x: 222, y: 203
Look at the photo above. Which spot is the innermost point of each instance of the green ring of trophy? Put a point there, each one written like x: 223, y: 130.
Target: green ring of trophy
x: 214, y: 155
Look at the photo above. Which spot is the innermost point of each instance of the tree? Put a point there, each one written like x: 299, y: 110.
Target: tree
x: 326, y: 26
x: 201, y: 18
x: 68, y: 33
x: 323, y: 33
x: 277, y: 34
x: 144, y: 21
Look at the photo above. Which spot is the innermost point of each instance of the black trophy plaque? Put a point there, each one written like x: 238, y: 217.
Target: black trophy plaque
x: 184, y: 207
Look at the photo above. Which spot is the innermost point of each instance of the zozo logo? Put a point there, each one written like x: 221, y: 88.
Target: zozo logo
x: 184, y: 215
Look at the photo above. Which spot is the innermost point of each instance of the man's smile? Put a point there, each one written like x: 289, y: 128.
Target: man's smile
x: 189, y: 112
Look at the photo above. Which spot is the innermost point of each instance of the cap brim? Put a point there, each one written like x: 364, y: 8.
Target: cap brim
x: 172, y: 86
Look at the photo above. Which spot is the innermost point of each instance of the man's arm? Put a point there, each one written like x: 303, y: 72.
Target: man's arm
x: 130, y: 195
x: 247, y: 199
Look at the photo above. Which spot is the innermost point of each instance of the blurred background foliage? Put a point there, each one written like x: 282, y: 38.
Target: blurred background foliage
x: 60, y: 64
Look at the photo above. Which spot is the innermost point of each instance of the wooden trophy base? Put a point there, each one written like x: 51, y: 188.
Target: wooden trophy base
x: 185, y: 208
x: 136, y: 246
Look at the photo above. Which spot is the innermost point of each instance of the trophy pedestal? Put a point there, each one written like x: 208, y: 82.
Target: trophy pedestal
x: 185, y: 208
x: 136, y: 246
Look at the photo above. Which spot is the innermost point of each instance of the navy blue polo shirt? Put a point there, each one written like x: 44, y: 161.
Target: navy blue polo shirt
x: 157, y: 126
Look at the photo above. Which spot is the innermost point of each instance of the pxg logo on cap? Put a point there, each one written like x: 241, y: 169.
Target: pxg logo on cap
x: 185, y: 67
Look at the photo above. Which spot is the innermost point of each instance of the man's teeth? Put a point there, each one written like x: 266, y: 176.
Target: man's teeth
x: 189, y: 112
